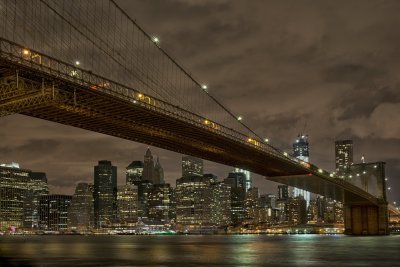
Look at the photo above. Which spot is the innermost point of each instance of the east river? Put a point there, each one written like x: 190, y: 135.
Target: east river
x: 197, y: 250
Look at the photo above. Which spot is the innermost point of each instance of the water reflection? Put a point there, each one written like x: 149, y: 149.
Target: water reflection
x: 246, y: 250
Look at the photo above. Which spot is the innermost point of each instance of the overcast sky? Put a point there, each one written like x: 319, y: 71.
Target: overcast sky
x: 325, y: 68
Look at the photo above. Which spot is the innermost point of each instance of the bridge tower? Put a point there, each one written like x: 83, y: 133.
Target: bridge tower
x: 363, y: 217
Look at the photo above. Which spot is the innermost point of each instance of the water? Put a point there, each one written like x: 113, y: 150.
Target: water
x: 219, y: 250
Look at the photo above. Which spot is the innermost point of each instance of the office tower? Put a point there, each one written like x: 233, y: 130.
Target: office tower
x: 13, y: 188
x: 105, y: 193
x: 220, y: 202
x: 127, y: 204
x: 267, y: 200
x: 267, y: 209
x: 301, y: 151
x: 283, y: 192
x: 297, y: 210
x: 248, y: 183
x: 144, y: 188
x: 37, y: 186
x: 192, y: 166
x: 343, y: 157
x: 251, y: 204
x: 53, y: 212
x: 158, y: 173
x: 19, y: 196
x: 192, y: 205
x: 236, y: 180
x: 81, y: 210
x: 134, y: 172
x: 159, y: 203
x: 148, y: 167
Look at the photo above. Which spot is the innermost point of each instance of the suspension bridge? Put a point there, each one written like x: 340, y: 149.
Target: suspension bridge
x: 89, y: 65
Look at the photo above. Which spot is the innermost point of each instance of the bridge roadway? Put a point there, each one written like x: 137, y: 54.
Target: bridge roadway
x: 36, y: 85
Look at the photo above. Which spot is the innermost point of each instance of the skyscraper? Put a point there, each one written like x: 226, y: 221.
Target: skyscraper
x: 134, y: 172
x: 301, y: 151
x: 53, y: 212
x: 159, y: 203
x: 81, y: 210
x: 148, y: 167
x: 192, y: 166
x: 301, y: 148
x: 343, y: 157
x: 237, y: 183
x: 248, y: 182
x: 127, y: 202
x: 37, y: 186
x: 158, y: 176
x: 105, y: 193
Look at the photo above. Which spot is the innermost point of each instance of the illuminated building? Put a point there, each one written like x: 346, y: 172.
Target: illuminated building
x: 158, y: 175
x: 81, y: 210
x: 236, y: 180
x: 251, y: 204
x: 127, y: 204
x: 134, y: 172
x: 53, y: 212
x: 192, y: 205
x: 297, y: 211
x: 343, y: 157
x: 301, y: 151
x: 20, y: 190
x: 159, y: 203
x: 248, y: 183
x: 37, y: 186
x: 283, y: 192
x: 148, y: 167
x: 192, y: 166
x: 267, y: 209
x: 220, y: 202
x: 105, y: 193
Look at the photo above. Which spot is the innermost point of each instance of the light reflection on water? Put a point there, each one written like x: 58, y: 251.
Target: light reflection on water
x: 246, y: 250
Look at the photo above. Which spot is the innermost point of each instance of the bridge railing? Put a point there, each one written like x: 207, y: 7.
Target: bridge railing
x: 23, y: 56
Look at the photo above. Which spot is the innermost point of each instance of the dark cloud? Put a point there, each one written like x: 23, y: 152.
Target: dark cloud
x: 327, y: 68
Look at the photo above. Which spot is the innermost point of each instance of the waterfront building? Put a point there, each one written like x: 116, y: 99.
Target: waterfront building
x: 192, y: 166
x: 297, y: 211
x: 127, y: 204
x: 220, y: 203
x: 53, y: 212
x: 20, y: 190
x: 343, y: 157
x: 237, y: 183
x: 81, y: 210
x: 252, y: 204
x: 192, y: 204
x: 105, y: 193
x: 134, y: 172
x: 160, y: 203
x: 36, y: 187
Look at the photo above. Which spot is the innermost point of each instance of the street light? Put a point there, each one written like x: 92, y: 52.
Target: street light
x: 239, y: 118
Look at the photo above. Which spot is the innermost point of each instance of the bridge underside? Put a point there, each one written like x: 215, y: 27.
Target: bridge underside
x: 54, y: 99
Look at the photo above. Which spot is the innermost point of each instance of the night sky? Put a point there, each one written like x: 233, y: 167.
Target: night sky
x: 329, y: 69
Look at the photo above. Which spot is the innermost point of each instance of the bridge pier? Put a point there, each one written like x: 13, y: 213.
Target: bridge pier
x: 366, y: 219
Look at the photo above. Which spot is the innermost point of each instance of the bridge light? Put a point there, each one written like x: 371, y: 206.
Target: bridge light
x: 77, y: 63
x: 386, y: 179
x: 394, y: 203
x: 156, y: 40
x: 285, y: 153
x: 206, y: 122
x: 389, y: 188
x: 350, y: 176
x: 249, y: 140
x: 25, y: 52
x: 375, y: 166
x: 364, y: 172
x: 331, y: 175
x: 140, y: 95
x: 358, y: 174
x: 134, y: 102
x: 320, y: 171
x: 239, y: 118
x: 204, y: 87
x: 266, y: 140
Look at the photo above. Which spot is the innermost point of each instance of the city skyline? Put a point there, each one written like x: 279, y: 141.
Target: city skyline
x: 352, y: 90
